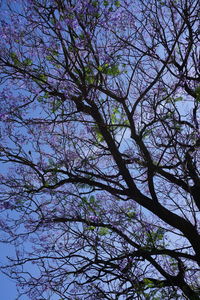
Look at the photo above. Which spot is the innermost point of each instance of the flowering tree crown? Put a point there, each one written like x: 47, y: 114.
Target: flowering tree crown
x: 100, y: 136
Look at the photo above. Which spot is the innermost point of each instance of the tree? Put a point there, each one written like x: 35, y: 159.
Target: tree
x: 100, y: 136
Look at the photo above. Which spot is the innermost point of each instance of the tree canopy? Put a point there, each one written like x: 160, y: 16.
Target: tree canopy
x: 99, y: 120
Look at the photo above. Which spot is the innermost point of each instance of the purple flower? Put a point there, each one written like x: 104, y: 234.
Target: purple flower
x: 7, y: 205
x: 3, y: 117
x: 93, y: 218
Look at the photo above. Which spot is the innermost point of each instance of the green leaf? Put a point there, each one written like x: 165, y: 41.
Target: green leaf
x: 99, y: 136
x: 117, y: 3
x: 126, y: 122
x: 113, y: 71
x: 54, y: 52
x: 148, y: 282
x: 28, y: 62
x: 15, y: 59
x: 177, y: 127
x: 147, y: 133
x: 56, y: 105
x: 170, y: 99
x: 95, y: 3
x: 115, y: 115
x: 113, y: 118
x: 103, y: 231
x: 161, y: 284
x: 42, y: 77
x: 131, y: 214
x: 91, y: 228
x: 84, y: 199
x: 46, y: 185
x: 109, y: 70
x: 46, y: 95
x: 100, y: 68
x: 106, y: 3
x: 89, y: 75
x: 92, y: 200
x: 40, y: 98
x: 178, y: 99
x: 49, y: 58
x: 155, y: 236
x: 90, y: 79
x: 161, y: 231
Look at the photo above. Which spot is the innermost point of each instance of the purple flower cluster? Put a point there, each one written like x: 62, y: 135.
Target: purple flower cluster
x: 93, y: 218
x: 3, y: 116
x: 7, y: 205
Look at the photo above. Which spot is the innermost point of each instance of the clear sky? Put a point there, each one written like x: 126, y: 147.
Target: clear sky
x: 7, y: 285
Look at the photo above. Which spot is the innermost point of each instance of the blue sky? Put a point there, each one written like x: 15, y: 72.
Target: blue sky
x: 7, y: 285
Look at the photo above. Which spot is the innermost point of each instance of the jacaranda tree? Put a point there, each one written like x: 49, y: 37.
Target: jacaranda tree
x: 100, y: 181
